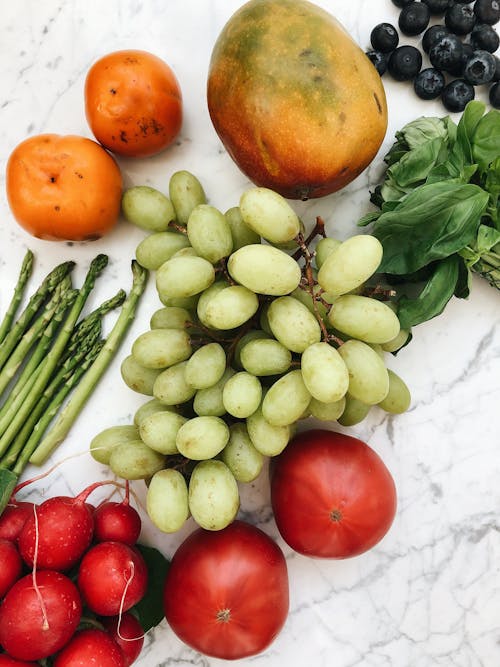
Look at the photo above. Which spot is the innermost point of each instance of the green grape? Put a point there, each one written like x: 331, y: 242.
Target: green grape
x: 185, y: 192
x: 147, y: 208
x: 159, y: 348
x: 231, y: 307
x: 327, y: 411
x: 171, y: 386
x: 202, y: 437
x: 267, y: 439
x: 209, y: 233
x: 104, y: 442
x: 368, y: 376
x: 149, y: 408
x: 240, y: 232
x: 354, y: 412
x: 186, y: 302
x: 170, y: 317
x: 167, y: 502
x: 293, y: 324
x: 264, y: 269
x: 159, y: 431
x: 206, y: 366
x: 364, y: 318
x: 214, y: 499
x: 286, y: 400
x: 209, y: 401
x: 184, y: 276
x: 324, y: 372
x: 397, y: 342
x: 324, y: 249
x: 398, y: 398
x: 253, y: 334
x: 378, y: 349
x: 206, y: 296
x: 242, y: 394
x: 135, y: 460
x: 157, y: 248
x: 265, y: 356
x: 350, y: 265
x: 243, y: 460
x: 313, y: 306
x: 138, y: 377
x: 264, y: 320
x: 188, y: 251
x: 269, y: 215
x: 292, y: 244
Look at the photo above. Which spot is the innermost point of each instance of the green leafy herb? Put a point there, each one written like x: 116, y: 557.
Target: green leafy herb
x: 150, y: 609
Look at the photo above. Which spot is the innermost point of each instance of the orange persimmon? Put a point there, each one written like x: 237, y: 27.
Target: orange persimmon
x: 63, y: 187
x: 133, y: 103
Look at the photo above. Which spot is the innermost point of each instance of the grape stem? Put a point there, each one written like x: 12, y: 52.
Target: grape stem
x: 178, y: 227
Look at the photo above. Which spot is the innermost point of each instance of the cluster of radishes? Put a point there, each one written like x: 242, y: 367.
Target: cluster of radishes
x: 70, y: 574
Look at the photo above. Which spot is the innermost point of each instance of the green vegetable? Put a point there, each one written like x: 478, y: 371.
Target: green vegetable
x: 439, y: 210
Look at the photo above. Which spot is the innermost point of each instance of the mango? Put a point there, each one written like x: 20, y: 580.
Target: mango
x: 296, y: 102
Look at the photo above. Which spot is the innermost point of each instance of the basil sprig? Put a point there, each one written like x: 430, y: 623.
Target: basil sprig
x: 439, y: 210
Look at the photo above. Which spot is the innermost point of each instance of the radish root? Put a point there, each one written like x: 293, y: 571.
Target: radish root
x: 45, y: 622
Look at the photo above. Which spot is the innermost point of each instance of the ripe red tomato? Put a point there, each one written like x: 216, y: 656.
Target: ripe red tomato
x: 226, y: 592
x: 332, y: 495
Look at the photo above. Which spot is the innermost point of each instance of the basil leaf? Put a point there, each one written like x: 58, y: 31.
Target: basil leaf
x: 415, y: 165
x: 433, y: 298
x: 467, y: 127
x: 149, y: 609
x: 432, y: 222
x: 462, y: 288
x: 8, y: 481
x: 486, y: 142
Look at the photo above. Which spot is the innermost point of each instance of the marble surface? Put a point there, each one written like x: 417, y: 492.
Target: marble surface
x: 429, y: 594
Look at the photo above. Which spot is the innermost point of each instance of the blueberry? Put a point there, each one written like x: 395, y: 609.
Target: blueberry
x: 457, y: 94
x: 494, y: 95
x: 437, y: 6
x: 384, y: 37
x: 379, y: 59
x: 401, y: 3
x: 480, y: 68
x: 467, y: 52
x: 496, y: 76
x: 429, y: 83
x: 487, y: 11
x: 414, y: 18
x: 446, y: 53
x: 460, y: 19
x: 432, y: 35
x: 404, y: 63
x: 484, y: 37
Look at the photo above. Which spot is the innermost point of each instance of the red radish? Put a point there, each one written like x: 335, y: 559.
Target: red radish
x: 112, y: 578
x: 12, y: 565
x: 39, y: 615
x: 7, y: 661
x: 127, y: 633
x: 13, y: 519
x: 90, y: 647
x: 58, y: 533
x: 118, y: 522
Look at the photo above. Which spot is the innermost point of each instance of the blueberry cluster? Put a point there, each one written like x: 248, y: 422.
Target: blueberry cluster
x: 460, y: 49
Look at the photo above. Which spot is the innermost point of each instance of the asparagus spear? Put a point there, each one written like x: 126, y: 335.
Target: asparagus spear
x: 81, y: 394
x: 22, y: 281
x: 46, y: 288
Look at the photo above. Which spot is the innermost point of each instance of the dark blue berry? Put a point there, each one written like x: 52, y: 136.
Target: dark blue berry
x: 487, y: 11
x: 379, y: 59
x: 494, y: 95
x: 484, y: 37
x: 457, y: 94
x: 414, y: 18
x: 467, y: 52
x: 404, y: 63
x: 446, y: 53
x: 480, y: 68
x: 384, y: 37
x: 496, y: 76
x: 401, y: 3
x: 437, y: 7
x: 429, y: 83
x: 432, y: 35
x: 460, y: 19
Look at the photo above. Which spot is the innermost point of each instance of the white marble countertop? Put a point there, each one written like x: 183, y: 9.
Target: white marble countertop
x: 429, y: 594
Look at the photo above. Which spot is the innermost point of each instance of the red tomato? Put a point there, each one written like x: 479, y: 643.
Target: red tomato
x: 332, y: 495
x: 226, y: 592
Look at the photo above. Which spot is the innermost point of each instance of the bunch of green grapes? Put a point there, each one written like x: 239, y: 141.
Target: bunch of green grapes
x: 255, y: 332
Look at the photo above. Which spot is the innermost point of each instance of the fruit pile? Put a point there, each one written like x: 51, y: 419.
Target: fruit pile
x: 257, y: 331
x: 460, y: 50
x: 71, y: 574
